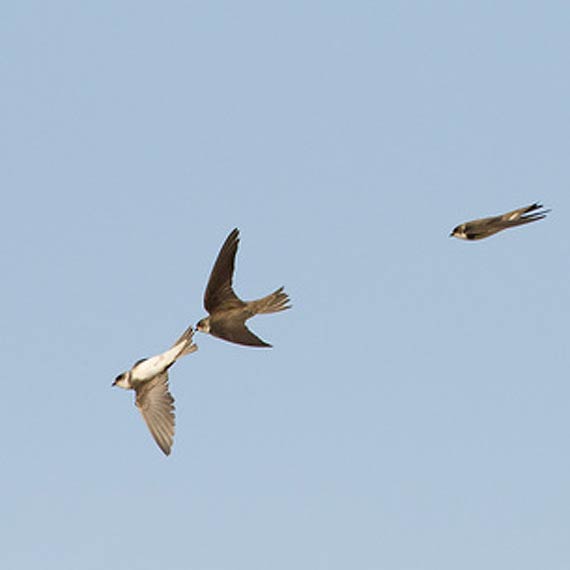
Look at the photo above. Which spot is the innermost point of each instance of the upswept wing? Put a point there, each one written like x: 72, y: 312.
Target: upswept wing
x: 219, y: 293
x: 157, y: 408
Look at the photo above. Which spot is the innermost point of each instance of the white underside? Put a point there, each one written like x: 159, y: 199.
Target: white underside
x: 156, y: 364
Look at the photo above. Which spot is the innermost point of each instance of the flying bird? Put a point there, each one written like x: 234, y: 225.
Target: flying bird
x: 227, y: 312
x: 149, y: 379
x: 485, y: 227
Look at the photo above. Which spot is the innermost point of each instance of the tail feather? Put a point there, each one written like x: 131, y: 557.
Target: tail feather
x: 529, y: 214
x: 526, y: 219
x: 189, y: 349
x: 532, y: 207
x: 272, y: 303
x: 521, y: 213
x: 186, y: 338
x: 535, y: 215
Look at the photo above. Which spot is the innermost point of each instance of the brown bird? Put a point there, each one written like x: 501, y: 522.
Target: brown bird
x: 149, y: 379
x: 227, y: 312
x: 485, y: 227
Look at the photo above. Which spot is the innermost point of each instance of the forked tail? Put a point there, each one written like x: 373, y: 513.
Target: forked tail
x: 189, y: 345
x: 272, y: 303
x: 529, y: 214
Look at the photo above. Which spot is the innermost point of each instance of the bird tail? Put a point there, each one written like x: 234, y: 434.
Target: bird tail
x: 526, y: 215
x: 520, y: 213
x: 188, y: 346
x: 272, y: 303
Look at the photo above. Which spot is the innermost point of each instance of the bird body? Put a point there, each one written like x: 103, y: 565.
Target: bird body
x: 149, y: 379
x: 486, y: 227
x: 227, y: 312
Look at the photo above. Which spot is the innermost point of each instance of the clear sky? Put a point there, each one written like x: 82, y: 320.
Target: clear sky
x: 413, y: 413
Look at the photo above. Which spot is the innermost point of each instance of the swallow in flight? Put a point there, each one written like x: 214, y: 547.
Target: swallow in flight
x: 485, y: 227
x: 149, y: 379
x: 227, y: 312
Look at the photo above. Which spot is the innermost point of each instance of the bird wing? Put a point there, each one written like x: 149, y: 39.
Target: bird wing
x: 157, y: 408
x: 513, y: 218
x: 485, y: 224
x: 485, y: 227
x: 525, y: 215
x: 516, y: 214
x: 233, y: 329
x: 219, y: 293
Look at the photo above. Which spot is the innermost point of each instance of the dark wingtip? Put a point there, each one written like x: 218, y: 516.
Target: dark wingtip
x: 537, y: 206
x: 263, y: 344
x: 536, y: 214
x: 233, y: 237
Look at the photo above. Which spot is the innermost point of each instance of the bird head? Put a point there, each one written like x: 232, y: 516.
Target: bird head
x: 459, y: 232
x: 123, y: 380
x: 204, y: 325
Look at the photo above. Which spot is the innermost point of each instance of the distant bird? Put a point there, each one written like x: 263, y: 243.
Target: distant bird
x: 485, y: 227
x: 227, y: 312
x: 149, y: 379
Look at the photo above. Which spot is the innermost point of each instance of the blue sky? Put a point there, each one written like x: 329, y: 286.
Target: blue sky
x: 413, y: 413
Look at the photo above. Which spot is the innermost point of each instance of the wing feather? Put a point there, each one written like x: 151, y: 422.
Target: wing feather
x: 235, y: 330
x: 157, y: 408
x: 219, y: 293
x: 485, y: 227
